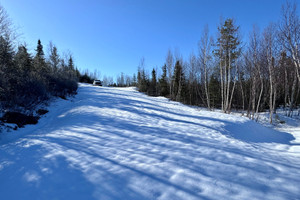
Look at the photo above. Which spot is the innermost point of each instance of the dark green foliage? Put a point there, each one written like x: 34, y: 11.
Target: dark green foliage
x: 25, y: 81
x: 214, y: 88
x: 134, y: 80
x: 39, y: 50
x: 152, y: 90
x: 228, y: 42
x: 6, y: 68
x: 179, y: 84
x: 143, y: 81
x: 233, y: 79
x: 163, y: 82
x: 85, y: 78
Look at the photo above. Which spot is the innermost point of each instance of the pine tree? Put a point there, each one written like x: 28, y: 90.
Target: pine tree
x: 39, y: 50
x: 152, y: 89
x: 134, y: 80
x: 39, y: 61
x: 7, y: 73
x: 227, y: 52
x: 23, y: 61
x: 26, y: 84
x: 179, y: 87
x: 54, y: 57
x: 70, y: 64
x: 139, y: 79
x: 214, y: 88
x: 163, y: 82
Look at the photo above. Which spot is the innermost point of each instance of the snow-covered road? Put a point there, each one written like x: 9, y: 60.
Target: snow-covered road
x: 116, y: 143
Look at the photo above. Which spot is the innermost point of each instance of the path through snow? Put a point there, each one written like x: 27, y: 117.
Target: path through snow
x: 116, y: 143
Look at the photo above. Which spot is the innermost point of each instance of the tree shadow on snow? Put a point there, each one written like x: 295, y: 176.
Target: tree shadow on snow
x: 98, y: 155
x: 247, y: 131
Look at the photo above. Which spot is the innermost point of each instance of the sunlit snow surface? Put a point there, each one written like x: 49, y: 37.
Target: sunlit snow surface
x: 116, y: 143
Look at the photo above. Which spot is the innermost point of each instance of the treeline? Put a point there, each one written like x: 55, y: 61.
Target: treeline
x: 28, y: 79
x: 262, y: 74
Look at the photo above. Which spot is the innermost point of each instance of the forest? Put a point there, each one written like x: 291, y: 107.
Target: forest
x: 260, y: 74
x: 27, y: 80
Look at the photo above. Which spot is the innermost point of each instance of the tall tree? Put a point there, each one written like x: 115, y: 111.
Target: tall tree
x: 193, y: 75
x: 227, y: 51
x: 289, y: 33
x: 163, y: 82
x: 269, y: 49
x: 39, y: 61
x: 204, y: 55
x: 170, y: 69
x: 178, y: 82
x: 54, y: 57
x: 6, y: 26
x: 153, y: 87
x: 7, y: 73
x: 255, y: 70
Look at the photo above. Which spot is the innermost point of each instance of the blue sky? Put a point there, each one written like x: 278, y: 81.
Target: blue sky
x: 113, y: 35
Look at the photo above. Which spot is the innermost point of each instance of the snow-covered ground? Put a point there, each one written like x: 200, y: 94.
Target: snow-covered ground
x: 116, y: 143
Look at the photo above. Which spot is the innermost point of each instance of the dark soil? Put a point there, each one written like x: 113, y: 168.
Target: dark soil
x: 19, y: 119
x: 42, y: 111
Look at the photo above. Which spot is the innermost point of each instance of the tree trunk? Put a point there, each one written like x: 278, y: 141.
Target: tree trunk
x: 292, y: 96
x: 261, y: 92
x: 222, y: 85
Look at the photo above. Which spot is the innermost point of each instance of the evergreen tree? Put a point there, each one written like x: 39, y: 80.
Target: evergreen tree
x: 227, y: 52
x: 139, y: 79
x: 179, y: 88
x: 214, y: 89
x: 152, y: 89
x: 134, y: 80
x: 70, y: 64
x: 54, y: 57
x: 144, y: 81
x: 26, y: 83
x: 7, y: 73
x: 39, y: 50
x: 163, y: 82
x: 39, y: 62
x: 23, y: 61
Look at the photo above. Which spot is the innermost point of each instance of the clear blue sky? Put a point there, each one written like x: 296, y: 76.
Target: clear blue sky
x: 113, y: 35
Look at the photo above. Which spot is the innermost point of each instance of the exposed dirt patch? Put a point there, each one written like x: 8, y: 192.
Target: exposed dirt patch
x: 19, y: 119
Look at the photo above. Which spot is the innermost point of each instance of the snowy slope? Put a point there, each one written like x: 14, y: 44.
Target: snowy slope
x: 116, y: 143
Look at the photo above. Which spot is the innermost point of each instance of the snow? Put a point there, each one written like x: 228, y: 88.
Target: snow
x: 116, y: 143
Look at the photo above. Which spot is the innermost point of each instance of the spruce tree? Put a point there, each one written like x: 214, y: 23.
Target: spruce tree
x: 7, y: 71
x: 26, y: 83
x: 227, y: 51
x: 54, y: 58
x: 144, y: 82
x: 152, y: 89
x: 39, y: 60
x: 163, y: 82
x: 179, y: 88
x: 23, y: 61
x: 70, y: 64
x: 39, y: 50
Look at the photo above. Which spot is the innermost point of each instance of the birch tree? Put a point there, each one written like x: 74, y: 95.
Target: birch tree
x: 170, y: 69
x: 227, y: 52
x: 290, y: 33
x: 205, y: 56
x: 269, y: 50
x: 256, y: 74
